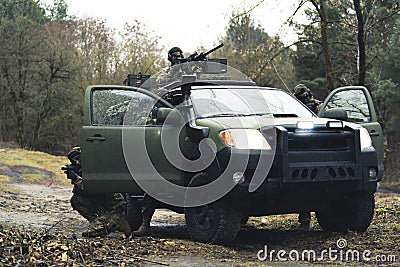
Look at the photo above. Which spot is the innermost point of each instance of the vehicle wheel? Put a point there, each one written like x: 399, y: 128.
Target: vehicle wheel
x: 134, y: 212
x: 355, y: 214
x: 333, y: 219
x: 363, y: 212
x: 215, y: 223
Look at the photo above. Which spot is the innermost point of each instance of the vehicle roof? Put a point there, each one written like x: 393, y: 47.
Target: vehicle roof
x: 211, y: 82
x: 234, y: 87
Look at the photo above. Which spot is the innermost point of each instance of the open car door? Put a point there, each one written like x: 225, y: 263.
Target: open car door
x: 104, y: 167
x: 356, y: 101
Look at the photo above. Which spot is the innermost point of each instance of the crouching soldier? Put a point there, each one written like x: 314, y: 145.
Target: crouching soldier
x: 104, y: 211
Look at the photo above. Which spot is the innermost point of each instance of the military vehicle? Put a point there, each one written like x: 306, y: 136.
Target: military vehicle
x: 218, y: 148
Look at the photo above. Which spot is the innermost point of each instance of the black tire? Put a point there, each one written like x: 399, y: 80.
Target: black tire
x: 354, y: 214
x: 215, y: 223
x: 134, y: 212
x: 363, y: 212
x: 333, y: 219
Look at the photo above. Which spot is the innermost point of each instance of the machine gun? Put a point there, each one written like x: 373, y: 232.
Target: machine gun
x: 199, y: 63
x: 194, y: 64
x: 199, y: 57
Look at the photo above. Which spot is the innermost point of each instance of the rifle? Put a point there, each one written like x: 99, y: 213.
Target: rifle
x: 73, y: 170
x: 200, y: 57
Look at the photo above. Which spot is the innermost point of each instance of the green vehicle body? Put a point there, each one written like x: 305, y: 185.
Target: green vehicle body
x: 298, y: 179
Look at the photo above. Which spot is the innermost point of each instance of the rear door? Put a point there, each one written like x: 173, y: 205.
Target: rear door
x: 357, y: 102
x: 104, y: 167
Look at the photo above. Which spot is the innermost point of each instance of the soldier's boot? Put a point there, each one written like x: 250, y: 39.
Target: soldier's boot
x: 304, y: 220
x: 145, y: 229
x: 118, y: 222
x: 102, y: 231
x: 96, y: 228
x: 125, y: 227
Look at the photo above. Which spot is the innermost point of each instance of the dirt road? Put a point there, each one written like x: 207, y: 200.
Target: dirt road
x: 40, y: 209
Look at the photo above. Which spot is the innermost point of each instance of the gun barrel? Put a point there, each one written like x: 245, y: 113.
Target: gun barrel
x: 200, y: 57
x: 212, y: 50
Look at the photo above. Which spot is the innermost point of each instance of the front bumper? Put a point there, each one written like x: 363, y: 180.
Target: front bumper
x: 299, y: 179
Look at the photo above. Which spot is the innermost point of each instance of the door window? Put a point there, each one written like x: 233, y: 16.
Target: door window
x: 109, y: 107
x: 354, y: 102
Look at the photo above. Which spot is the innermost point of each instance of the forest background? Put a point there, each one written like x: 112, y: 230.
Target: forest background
x: 48, y: 57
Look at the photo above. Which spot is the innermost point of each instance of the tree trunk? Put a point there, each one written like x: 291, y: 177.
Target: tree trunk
x: 361, y: 44
x: 325, y: 46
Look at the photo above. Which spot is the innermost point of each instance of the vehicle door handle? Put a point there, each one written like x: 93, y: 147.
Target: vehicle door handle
x: 373, y: 133
x: 97, y: 138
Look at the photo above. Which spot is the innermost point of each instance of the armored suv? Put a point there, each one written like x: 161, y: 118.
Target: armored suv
x: 218, y: 148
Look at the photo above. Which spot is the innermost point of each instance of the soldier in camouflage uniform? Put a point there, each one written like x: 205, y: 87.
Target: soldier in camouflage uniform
x: 168, y: 75
x: 115, y: 114
x: 174, y: 72
x: 105, y: 211
x: 303, y: 93
x: 140, y: 113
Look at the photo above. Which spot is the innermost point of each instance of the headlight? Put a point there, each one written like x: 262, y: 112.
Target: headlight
x: 365, y: 139
x: 305, y: 125
x: 245, y: 139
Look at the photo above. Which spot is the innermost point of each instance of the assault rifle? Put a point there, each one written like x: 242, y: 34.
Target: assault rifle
x: 73, y: 170
x: 199, y: 57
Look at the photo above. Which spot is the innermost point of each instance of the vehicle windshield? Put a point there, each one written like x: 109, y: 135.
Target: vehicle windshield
x: 220, y: 101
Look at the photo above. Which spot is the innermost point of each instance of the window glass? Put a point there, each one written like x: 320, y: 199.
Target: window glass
x: 245, y: 102
x: 354, y: 102
x: 109, y: 107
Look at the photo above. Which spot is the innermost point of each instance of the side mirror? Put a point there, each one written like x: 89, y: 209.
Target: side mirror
x: 174, y: 116
x: 335, y: 113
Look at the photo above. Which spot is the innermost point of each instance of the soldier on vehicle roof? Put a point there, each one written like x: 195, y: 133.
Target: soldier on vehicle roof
x: 173, y: 72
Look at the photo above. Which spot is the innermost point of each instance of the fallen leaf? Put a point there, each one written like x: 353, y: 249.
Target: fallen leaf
x: 64, y: 256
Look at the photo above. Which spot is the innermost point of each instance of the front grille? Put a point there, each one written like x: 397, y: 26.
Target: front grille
x: 320, y: 154
x: 318, y: 141
x: 323, y: 172
x: 320, y: 145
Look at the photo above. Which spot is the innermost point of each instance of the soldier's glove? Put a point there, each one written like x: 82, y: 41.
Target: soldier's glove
x: 70, y: 171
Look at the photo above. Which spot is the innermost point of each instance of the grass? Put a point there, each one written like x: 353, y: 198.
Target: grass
x: 4, y: 180
x: 14, y: 157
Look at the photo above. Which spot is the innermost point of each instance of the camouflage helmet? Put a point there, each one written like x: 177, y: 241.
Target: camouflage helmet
x: 74, y: 154
x: 302, y: 91
x: 175, y: 51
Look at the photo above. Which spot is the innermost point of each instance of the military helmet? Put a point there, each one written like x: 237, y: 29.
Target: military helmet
x: 173, y: 52
x: 302, y: 91
x: 74, y: 154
